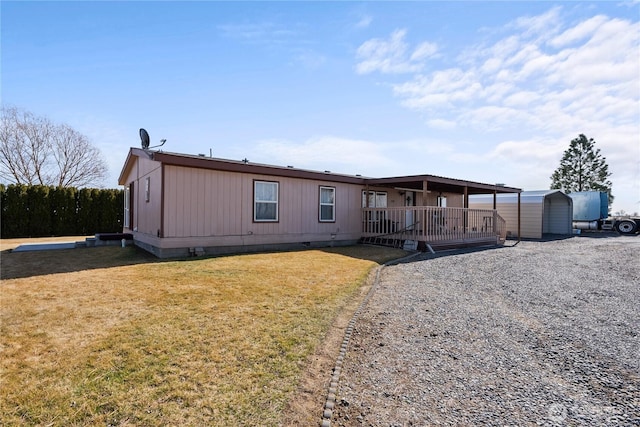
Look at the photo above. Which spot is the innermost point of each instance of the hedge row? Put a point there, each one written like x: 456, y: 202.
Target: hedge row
x: 42, y: 211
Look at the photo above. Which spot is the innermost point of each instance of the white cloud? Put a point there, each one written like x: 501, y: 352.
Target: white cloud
x: 424, y: 51
x: 539, y: 26
x: 539, y: 153
x: 263, y: 32
x: 441, y: 124
x: 580, y: 32
x: 441, y: 88
x: 521, y: 99
x: 393, y: 55
x: 534, y: 84
x: 365, y: 157
x: 364, y: 21
x: 343, y: 152
x: 523, y: 80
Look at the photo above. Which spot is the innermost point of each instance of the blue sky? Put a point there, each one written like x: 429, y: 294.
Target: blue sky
x: 485, y: 91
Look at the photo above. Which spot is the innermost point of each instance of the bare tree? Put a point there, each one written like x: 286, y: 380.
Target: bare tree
x: 34, y: 150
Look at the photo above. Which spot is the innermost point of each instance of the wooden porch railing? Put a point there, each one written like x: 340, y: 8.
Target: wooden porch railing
x: 434, y: 225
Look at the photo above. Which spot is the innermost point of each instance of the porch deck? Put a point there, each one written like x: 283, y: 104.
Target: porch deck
x: 433, y: 226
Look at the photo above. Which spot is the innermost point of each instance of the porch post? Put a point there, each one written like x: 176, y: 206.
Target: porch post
x: 366, y: 196
x: 495, y: 196
x: 425, y: 220
x: 519, y: 211
x: 425, y: 186
x: 465, y: 204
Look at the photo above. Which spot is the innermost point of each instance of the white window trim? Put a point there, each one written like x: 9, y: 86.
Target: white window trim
x: 127, y: 207
x: 333, y: 205
x: 276, y: 201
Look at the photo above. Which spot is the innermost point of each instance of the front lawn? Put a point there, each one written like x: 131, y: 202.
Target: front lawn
x: 111, y: 336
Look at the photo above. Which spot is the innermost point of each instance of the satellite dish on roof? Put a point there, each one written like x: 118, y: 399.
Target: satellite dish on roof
x: 144, y: 139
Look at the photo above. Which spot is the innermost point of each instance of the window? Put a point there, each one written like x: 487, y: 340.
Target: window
x: 147, y: 189
x: 327, y: 204
x: 265, y: 201
x: 442, y: 201
x: 377, y: 199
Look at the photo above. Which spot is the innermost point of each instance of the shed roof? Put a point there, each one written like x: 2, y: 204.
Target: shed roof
x: 532, y: 196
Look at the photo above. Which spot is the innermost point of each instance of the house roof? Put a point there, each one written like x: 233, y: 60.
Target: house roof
x: 415, y: 182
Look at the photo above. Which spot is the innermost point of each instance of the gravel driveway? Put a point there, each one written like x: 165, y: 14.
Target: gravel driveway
x: 534, y: 333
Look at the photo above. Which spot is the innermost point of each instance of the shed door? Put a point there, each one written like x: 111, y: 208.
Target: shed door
x: 556, y: 218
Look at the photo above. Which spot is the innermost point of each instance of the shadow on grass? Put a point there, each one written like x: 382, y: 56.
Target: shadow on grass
x: 377, y: 254
x: 17, y: 265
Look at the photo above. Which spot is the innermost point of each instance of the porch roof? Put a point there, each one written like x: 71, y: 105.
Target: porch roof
x: 440, y: 184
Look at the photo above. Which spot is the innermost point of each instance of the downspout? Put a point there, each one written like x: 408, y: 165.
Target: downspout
x: 161, y: 232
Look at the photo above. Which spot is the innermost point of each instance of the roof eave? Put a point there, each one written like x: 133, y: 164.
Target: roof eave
x: 247, y: 167
x: 129, y: 162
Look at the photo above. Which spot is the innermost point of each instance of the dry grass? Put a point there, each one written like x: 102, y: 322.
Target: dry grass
x: 119, y: 338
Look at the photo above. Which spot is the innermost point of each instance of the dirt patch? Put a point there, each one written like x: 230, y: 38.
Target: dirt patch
x: 306, y: 406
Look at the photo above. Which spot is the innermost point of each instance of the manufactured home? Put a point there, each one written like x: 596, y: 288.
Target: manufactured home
x: 542, y: 212
x: 180, y: 205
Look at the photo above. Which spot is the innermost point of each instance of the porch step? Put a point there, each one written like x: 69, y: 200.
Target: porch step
x: 382, y: 241
x: 410, y: 245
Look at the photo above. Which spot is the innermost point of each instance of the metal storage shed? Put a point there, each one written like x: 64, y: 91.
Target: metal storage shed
x: 542, y: 212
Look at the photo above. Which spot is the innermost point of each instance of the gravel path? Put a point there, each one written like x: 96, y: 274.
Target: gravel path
x: 534, y: 333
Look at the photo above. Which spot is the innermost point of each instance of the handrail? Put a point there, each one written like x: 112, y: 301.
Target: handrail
x: 433, y: 224
x: 395, y: 233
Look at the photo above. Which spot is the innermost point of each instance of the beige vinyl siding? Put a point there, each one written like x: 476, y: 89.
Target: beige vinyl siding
x: 431, y: 199
x: 201, y: 203
x: 396, y: 199
x: 146, y: 215
x: 219, y: 205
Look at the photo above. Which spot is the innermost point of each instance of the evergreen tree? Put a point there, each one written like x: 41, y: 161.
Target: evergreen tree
x: 582, y: 168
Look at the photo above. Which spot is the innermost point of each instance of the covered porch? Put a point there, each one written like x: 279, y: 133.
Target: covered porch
x: 426, y: 211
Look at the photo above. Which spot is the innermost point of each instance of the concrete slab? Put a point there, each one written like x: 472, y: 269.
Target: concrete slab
x: 45, y: 246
